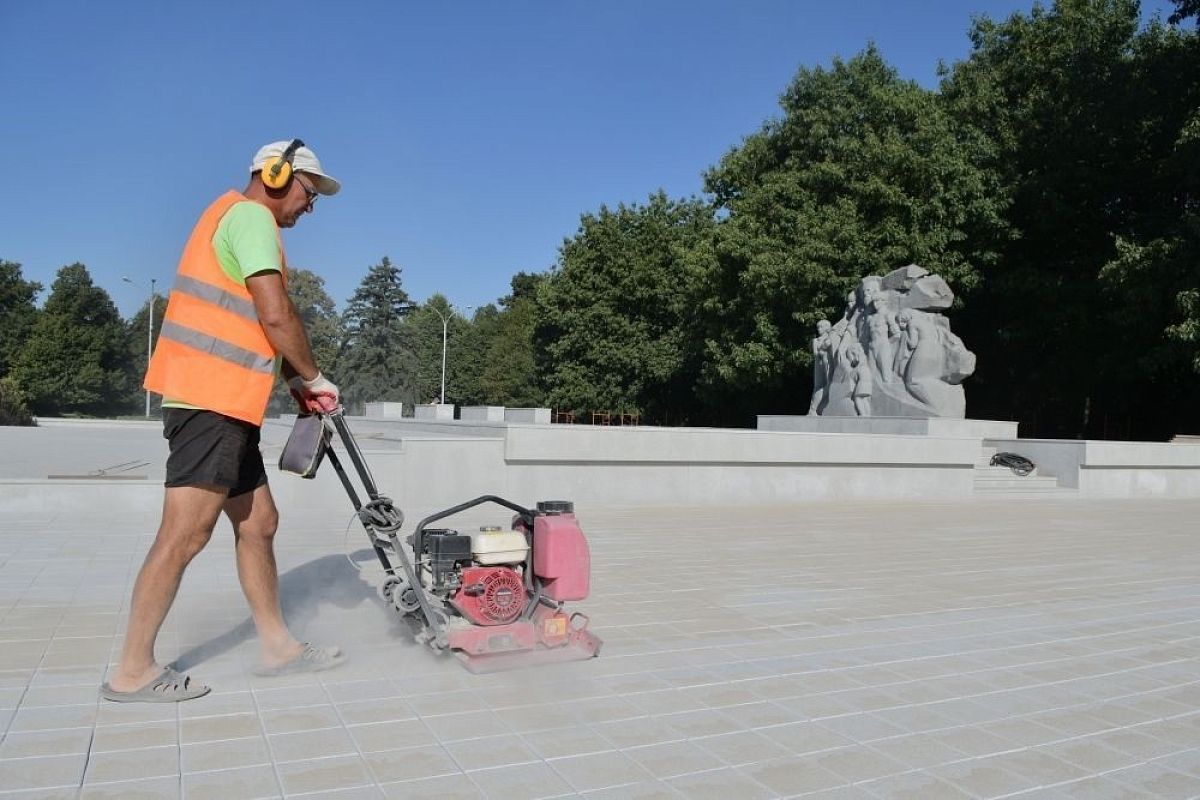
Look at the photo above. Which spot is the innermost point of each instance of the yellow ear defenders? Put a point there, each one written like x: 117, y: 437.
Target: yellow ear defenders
x: 279, y: 173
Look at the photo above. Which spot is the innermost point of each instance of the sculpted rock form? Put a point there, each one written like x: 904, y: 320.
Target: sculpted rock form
x: 891, y: 354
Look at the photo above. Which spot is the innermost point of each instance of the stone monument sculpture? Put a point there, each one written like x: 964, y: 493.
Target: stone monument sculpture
x: 892, y: 353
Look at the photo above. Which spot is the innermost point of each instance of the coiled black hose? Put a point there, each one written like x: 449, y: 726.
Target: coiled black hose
x: 1019, y: 464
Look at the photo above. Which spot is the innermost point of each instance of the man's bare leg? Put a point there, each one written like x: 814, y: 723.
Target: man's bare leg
x: 189, y: 515
x: 255, y: 520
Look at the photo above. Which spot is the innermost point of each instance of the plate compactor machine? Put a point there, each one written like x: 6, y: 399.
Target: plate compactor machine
x: 494, y: 598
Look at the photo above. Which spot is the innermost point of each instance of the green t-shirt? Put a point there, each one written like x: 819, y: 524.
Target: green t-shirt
x: 246, y: 243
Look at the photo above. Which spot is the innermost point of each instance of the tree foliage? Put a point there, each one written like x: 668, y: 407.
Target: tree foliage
x: 375, y: 361
x: 617, y: 323
x: 1087, y: 116
x: 862, y: 174
x: 17, y: 312
x: 76, y: 358
x: 321, y: 321
x: 136, y: 337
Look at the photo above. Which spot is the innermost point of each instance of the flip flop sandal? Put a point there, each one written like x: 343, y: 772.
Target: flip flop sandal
x: 169, y: 687
x: 310, y: 659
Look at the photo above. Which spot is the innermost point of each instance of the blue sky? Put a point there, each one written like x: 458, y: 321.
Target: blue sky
x: 469, y: 136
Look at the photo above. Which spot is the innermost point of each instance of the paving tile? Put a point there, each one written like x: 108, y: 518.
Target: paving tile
x: 707, y: 722
x: 219, y: 704
x: 129, y: 765
x: 523, y: 782
x: 981, y: 777
x: 491, y: 751
x: 53, y: 718
x: 1088, y: 753
x: 598, y: 770
x: 323, y: 774
x: 671, y: 759
x: 59, y: 696
x: 915, y: 785
x: 42, y: 772
x: 1039, y: 766
x: 720, y: 784
x: 411, y: 763
x: 126, y: 737
x: 646, y: 790
x: 741, y: 747
x: 224, y: 754
x: 289, y: 697
x: 354, y: 793
x: 311, y: 744
x: 794, y: 775
x: 243, y: 783
x: 469, y: 725
x: 390, y: 735
x: 63, y: 793
x: 209, y: 729
x: 1186, y: 761
x: 805, y: 737
x: 1157, y: 780
x: 388, y: 709
x: 60, y: 742
x: 305, y: 718
x: 637, y: 732
x: 149, y: 789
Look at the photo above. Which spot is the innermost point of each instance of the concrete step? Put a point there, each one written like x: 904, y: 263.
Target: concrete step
x: 1014, y: 494
x: 988, y: 471
x: 1045, y: 485
x: 995, y: 487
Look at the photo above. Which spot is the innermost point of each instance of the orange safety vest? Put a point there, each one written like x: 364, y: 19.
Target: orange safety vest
x: 212, y: 352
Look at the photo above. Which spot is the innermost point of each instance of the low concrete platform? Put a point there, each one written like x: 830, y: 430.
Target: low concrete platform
x: 886, y: 650
x: 893, y: 426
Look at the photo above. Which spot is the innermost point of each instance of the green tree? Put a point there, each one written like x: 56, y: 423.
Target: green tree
x: 17, y: 312
x: 1085, y: 115
x: 425, y: 332
x: 862, y: 174
x: 616, y: 326
x: 136, y: 344
x: 77, y: 358
x: 323, y: 325
x: 13, y: 410
x: 1185, y: 9
x: 375, y: 361
x: 506, y: 372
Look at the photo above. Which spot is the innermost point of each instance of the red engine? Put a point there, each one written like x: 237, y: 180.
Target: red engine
x: 490, y: 595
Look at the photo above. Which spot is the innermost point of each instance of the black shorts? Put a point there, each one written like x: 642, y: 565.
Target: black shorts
x: 212, y: 449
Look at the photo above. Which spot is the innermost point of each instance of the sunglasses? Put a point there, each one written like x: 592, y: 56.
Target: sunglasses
x: 310, y: 194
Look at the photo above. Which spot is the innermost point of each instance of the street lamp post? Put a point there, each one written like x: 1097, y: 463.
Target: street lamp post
x: 445, y: 321
x: 149, y: 331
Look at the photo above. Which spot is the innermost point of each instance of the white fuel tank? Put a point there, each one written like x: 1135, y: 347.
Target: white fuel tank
x: 491, y: 545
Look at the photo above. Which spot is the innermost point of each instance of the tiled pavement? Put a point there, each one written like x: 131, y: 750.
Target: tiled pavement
x: 1000, y: 649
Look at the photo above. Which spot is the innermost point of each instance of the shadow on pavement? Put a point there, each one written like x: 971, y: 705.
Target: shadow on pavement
x: 303, y: 590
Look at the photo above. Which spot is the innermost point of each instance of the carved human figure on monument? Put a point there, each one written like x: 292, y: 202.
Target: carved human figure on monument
x: 821, y: 358
x: 880, y: 344
x: 892, y: 353
x: 863, y: 383
x: 925, y: 358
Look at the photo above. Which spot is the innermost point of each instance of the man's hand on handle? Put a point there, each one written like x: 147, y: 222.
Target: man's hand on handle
x: 317, y: 394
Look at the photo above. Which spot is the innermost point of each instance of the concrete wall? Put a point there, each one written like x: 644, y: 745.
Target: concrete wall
x: 425, y: 466
x: 898, y: 426
x: 1113, y: 469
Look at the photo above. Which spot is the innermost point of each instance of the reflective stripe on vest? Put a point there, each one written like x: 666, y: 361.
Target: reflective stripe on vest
x: 215, y: 295
x: 223, y: 350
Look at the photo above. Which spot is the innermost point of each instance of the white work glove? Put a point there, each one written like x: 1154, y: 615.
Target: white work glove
x: 318, y: 394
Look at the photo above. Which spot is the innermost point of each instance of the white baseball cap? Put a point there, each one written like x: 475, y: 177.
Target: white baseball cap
x: 304, y: 161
